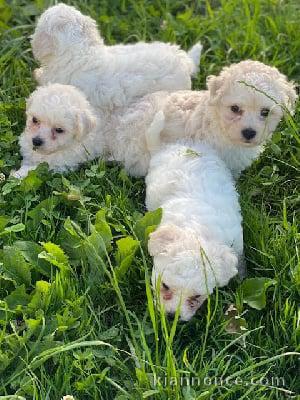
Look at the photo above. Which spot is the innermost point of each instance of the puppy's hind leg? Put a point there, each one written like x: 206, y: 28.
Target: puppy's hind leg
x: 153, y: 132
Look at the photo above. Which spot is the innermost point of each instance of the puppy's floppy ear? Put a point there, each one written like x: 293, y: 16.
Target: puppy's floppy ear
x: 42, y: 44
x: 215, y: 85
x: 90, y: 31
x: 86, y: 122
x: 162, y: 238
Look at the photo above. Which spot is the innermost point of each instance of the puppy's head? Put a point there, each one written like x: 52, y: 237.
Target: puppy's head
x: 186, y: 270
x: 61, y: 27
x: 250, y: 99
x: 57, y: 115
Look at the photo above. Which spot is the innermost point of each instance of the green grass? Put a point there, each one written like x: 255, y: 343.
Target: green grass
x: 79, y: 319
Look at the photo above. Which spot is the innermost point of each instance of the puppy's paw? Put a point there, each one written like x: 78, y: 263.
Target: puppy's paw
x: 37, y: 75
x: 20, y: 173
x: 15, y: 174
x: 158, y: 122
x: 154, y: 131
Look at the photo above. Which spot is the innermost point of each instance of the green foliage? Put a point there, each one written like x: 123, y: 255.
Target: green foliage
x: 127, y: 248
x: 15, y: 267
x: 147, y: 224
x: 254, y: 291
x: 77, y: 314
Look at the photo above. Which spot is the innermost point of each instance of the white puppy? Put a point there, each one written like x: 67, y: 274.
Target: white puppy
x: 71, y: 51
x: 61, y: 129
x: 199, y: 240
x: 236, y: 116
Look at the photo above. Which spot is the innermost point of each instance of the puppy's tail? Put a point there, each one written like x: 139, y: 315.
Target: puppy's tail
x: 194, y: 53
x: 154, y: 131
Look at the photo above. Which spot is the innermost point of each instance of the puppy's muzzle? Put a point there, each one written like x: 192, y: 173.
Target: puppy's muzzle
x: 37, y: 142
x: 248, y: 134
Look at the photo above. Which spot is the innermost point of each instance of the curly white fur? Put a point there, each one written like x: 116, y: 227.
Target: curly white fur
x: 207, y: 116
x: 61, y: 129
x: 204, y: 116
x: 199, y: 240
x: 71, y: 51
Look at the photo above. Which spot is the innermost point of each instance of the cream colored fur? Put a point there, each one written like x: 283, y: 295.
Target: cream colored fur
x: 64, y: 108
x: 206, y: 116
x: 71, y: 51
x: 199, y: 241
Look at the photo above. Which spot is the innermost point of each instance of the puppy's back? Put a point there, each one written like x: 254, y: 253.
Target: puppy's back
x: 195, y: 189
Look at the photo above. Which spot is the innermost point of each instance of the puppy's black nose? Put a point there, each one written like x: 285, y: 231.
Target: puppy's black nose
x: 248, y: 133
x: 37, y: 141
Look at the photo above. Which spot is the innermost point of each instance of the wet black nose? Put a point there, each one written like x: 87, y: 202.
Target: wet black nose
x: 37, y: 141
x: 248, y: 133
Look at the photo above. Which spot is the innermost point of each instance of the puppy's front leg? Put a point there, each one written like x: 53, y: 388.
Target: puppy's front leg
x: 37, y: 74
x: 23, y: 171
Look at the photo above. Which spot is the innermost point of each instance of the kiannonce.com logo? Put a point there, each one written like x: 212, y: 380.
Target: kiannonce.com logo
x: 193, y: 381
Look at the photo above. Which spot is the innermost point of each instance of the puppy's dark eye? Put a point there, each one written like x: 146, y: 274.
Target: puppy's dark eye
x: 264, y: 112
x: 235, y: 109
x: 35, y: 120
x: 166, y: 287
x: 59, y: 130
